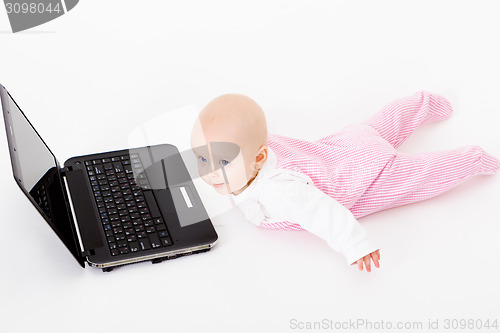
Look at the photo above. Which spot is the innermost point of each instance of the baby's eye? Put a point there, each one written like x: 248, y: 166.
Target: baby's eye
x: 224, y: 162
x: 203, y: 159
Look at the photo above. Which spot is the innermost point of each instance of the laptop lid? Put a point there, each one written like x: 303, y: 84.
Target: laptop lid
x: 37, y: 172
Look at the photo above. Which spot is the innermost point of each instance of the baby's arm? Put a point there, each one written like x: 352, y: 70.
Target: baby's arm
x: 304, y: 204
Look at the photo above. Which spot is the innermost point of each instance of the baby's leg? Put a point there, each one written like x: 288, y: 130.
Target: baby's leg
x: 400, y: 118
x: 413, y: 178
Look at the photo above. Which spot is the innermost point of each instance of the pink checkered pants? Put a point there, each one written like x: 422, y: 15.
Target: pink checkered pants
x: 361, y: 168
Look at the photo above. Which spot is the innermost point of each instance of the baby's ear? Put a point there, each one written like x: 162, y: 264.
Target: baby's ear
x: 261, y: 157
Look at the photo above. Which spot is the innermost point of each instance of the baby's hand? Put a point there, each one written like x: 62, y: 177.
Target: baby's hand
x: 375, y: 256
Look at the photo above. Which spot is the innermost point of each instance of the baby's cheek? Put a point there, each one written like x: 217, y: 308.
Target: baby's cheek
x: 237, y: 178
x: 205, y: 179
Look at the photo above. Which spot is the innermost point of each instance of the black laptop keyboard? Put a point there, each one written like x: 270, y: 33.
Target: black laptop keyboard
x: 130, y: 224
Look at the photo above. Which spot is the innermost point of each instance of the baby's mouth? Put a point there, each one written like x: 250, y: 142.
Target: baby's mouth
x: 218, y: 185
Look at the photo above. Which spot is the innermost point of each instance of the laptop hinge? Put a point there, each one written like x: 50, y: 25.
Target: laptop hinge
x: 65, y: 170
x: 88, y: 253
x: 83, y: 251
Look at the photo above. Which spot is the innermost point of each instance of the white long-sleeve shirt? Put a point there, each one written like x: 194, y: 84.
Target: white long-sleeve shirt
x: 278, y: 195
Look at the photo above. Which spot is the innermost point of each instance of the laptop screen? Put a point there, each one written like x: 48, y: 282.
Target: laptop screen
x: 36, y: 171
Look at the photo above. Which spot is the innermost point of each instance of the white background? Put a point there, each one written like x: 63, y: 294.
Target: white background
x: 314, y: 67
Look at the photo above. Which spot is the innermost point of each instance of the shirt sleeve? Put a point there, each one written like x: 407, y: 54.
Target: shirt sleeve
x: 318, y: 213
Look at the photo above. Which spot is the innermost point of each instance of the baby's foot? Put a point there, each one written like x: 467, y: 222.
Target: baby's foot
x: 439, y: 108
x: 489, y: 164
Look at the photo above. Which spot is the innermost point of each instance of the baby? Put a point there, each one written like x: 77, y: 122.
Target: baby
x: 325, y: 185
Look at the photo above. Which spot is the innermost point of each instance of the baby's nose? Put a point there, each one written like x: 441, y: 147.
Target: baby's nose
x: 216, y: 174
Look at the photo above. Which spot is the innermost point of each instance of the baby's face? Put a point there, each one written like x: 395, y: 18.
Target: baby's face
x: 222, y: 163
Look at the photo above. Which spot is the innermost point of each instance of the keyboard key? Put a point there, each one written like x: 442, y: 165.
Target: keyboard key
x: 166, y: 241
x: 124, y: 250
x: 150, y: 230
x: 134, y: 246
x: 160, y: 227
x: 144, y: 244
x: 115, y: 252
x: 125, y: 218
x: 122, y: 243
x: 163, y: 234
x: 98, y: 169
x: 120, y: 236
x: 155, y: 241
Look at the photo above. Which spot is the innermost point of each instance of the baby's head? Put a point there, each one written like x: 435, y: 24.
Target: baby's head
x: 229, y: 140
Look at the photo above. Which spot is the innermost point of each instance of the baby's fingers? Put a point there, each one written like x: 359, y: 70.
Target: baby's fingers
x: 367, y: 263
x: 375, y: 258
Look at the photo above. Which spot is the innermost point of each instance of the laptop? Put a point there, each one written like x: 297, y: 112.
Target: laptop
x: 114, y: 208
